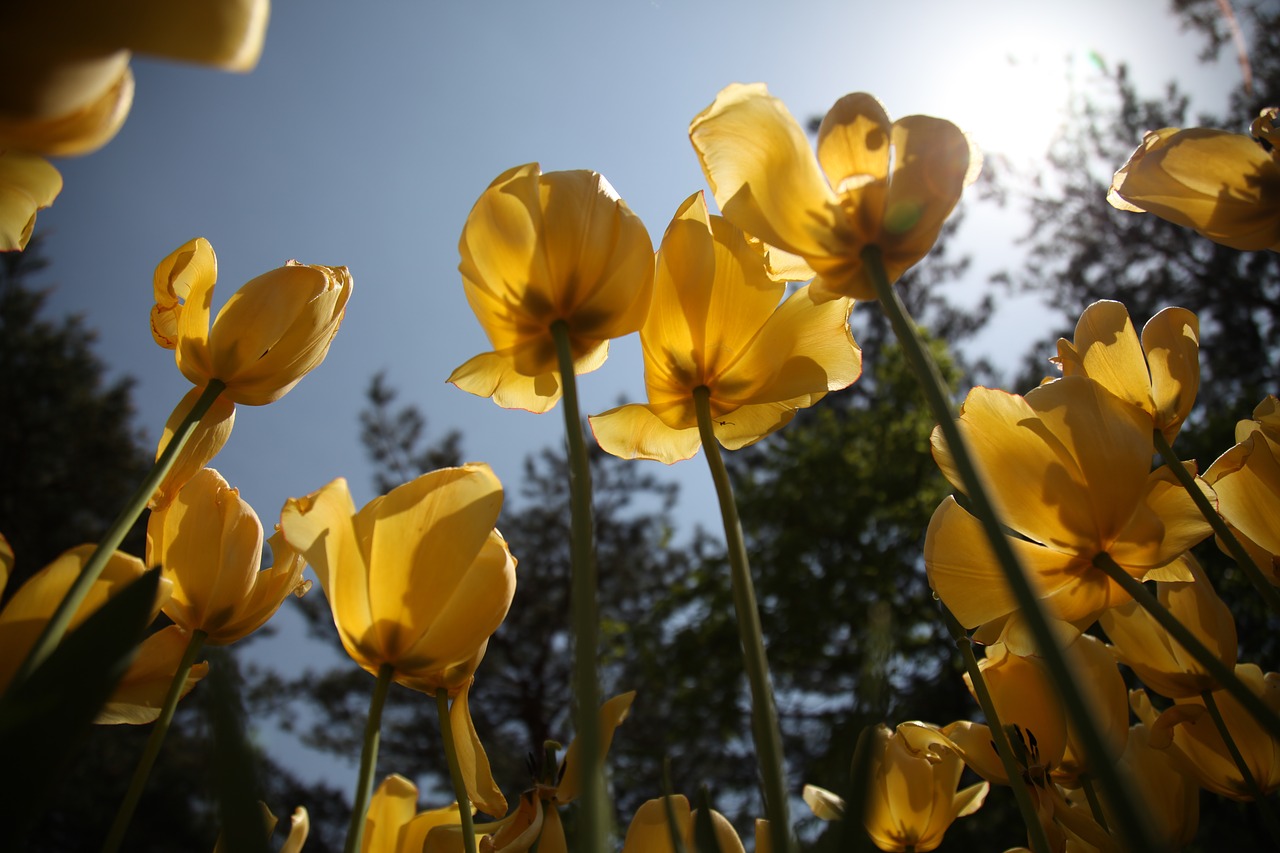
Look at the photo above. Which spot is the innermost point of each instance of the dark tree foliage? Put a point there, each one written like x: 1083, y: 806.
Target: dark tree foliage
x: 68, y: 450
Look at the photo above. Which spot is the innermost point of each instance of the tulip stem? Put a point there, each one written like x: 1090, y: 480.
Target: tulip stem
x: 159, y: 729
x: 1133, y: 828
x: 764, y: 713
x: 368, y: 759
x: 584, y: 609
x: 1095, y: 804
x: 56, y: 627
x: 1207, y: 659
x: 455, y: 770
x: 1259, y: 796
x: 999, y: 736
x: 1224, y: 533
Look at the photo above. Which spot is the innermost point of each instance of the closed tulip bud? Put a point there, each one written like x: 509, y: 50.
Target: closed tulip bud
x: 650, y: 831
x: 271, y: 332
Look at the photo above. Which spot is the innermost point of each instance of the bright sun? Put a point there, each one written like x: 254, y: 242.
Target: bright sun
x: 1010, y: 102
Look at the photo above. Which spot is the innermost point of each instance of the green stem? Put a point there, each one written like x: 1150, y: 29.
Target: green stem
x: 455, y: 771
x: 368, y: 759
x: 1095, y: 804
x: 1259, y: 796
x: 115, y: 837
x: 1224, y: 533
x: 1133, y: 828
x: 584, y: 609
x: 56, y: 627
x: 1207, y: 659
x: 999, y: 736
x: 764, y: 713
x: 673, y: 828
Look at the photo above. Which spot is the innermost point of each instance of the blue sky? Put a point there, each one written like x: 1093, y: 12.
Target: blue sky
x: 369, y: 129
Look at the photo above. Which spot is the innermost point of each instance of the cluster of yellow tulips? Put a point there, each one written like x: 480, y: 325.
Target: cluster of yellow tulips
x: 1057, y: 522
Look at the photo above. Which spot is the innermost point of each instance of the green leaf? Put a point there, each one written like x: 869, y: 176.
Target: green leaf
x: 234, y: 777
x: 45, y: 719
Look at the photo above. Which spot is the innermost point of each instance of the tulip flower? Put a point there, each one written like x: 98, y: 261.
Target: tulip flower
x: 1190, y: 727
x: 873, y: 183
x: 1157, y: 659
x: 299, y: 829
x: 27, y: 183
x: 1246, y: 480
x: 139, y: 697
x: 417, y: 581
x: 67, y: 86
x: 272, y: 331
x: 911, y: 793
x: 715, y: 323
x: 1225, y: 186
x: 394, y: 824
x: 1160, y: 376
x: 1168, y: 791
x: 209, y: 437
x: 650, y: 830
x: 24, y: 617
x: 1068, y: 468
x: 208, y: 542
x: 540, y: 249
x: 536, y: 819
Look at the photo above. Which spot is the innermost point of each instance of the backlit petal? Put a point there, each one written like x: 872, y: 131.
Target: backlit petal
x: 27, y: 184
x: 635, y: 432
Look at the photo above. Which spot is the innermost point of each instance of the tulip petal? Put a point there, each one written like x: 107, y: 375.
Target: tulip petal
x: 210, y: 435
x: 391, y: 808
x: 472, y: 760
x: 853, y: 140
x: 612, y: 713
x: 1171, y: 340
x: 635, y: 432
x: 27, y: 184
x: 140, y: 694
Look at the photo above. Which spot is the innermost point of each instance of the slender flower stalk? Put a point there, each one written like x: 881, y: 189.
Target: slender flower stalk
x: 1221, y: 530
x: 57, y: 624
x: 764, y: 713
x: 585, y: 610
x: 1000, y: 737
x: 368, y: 759
x: 1207, y: 659
x: 1259, y: 796
x: 115, y: 837
x: 455, y: 771
x: 1132, y: 827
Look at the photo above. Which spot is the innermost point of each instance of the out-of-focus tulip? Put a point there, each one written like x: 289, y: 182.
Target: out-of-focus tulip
x: 1225, y: 186
x: 24, y: 617
x: 715, y: 322
x: 270, y: 333
x: 417, y: 580
x: 299, y: 829
x: 1156, y: 658
x: 208, y: 438
x: 27, y: 183
x: 1160, y: 376
x: 67, y: 85
x: 1169, y: 792
x: 650, y: 831
x: 1192, y: 731
x: 540, y: 249
x: 208, y: 542
x: 140, y: 695
x: 874, y: 182
x: 1068, y: 468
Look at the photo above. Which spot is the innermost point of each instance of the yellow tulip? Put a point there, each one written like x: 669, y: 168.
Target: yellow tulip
x: 393, y: 823
x: 208, y: 542
x: 1068, y: 468
x: 272, y: 331
x: 1225, y: 186
x: 210, y: 434
x: 873, y: 182
x: 1156, y: 658
x: 538, y: 249
x: 1160, y: 376
x: 1246, y: 480
x: 536, y: 819
x: 33, y: 604
x: 1191, y: 729
x: 27, y: 184
x: 66, y: 84
x: 417, y: 580
x: 715, y: 322
x: 1163, y: 781
x: 140, y: 694
x: 650, y: 831
x: 911, y: 793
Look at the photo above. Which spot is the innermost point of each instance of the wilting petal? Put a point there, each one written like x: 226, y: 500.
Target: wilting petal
x: 824, y: 804
x: 764, y: 176
x: 612, y: 713
x: 27, y: 184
